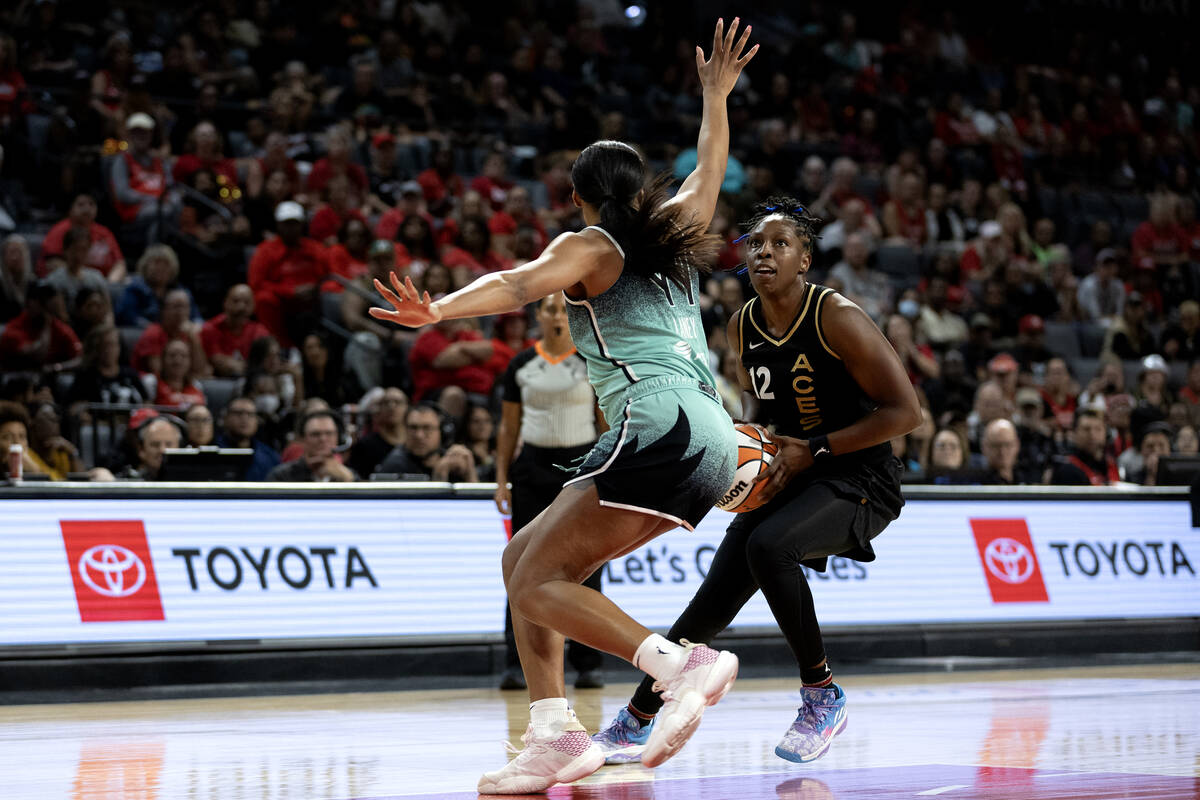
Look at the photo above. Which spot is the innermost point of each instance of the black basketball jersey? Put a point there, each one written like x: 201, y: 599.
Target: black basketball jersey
x: 802, y: 385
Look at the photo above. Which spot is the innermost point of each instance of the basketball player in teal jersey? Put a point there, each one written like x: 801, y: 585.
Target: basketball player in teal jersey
x: 631, y: 284
x: 816, y: 367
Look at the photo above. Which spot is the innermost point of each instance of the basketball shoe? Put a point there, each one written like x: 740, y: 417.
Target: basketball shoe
x: 822, y: 716
x: 704, y: 679
x: 564, y: 757
x: 624, y: 739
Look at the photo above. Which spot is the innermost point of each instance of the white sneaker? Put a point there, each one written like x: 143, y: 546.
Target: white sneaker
x: 704, y: 679
x: 565, y: 757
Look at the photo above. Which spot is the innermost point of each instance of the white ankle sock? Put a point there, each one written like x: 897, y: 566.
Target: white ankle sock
x: 548, y: 716
x: 659, y: 657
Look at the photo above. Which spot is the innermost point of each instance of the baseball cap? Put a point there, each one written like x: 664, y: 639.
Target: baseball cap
x: 1134, y: 298
x: 140, y: 417
x: 141, y: 120
x: 1031, y: 323
x: 381, y: 139
x: 1107, y: 254
x: 410, y: 187
x: 1028, y: 396
x: 980, y: 320
x: 289, y: 210
x: 1002, y: 363
x: 990, y: 229
x: 1154, y: 363
x: 380, y: 247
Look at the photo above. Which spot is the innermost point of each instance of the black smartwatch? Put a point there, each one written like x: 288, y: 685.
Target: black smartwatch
x: 818, y: 446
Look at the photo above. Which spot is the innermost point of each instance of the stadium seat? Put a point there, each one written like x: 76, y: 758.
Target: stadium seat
x: 1062, y: 340
x: 899, y: 261
x: 218, y: 392
x: 331, y: 307
x: 129, y: 338
x: 1091, y: 339
x: 1084, y: 369
x: 1134, y: 207
x: 1048, y: 200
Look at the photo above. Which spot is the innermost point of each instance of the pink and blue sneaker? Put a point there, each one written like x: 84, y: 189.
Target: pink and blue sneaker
x: 822, y: 716
x: 624, y: 739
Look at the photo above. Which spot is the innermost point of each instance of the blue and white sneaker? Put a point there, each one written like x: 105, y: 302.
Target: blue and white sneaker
x: 821, y: 717
x: 624, y: 739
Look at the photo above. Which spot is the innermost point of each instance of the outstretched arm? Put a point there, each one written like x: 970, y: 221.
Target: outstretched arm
x: 568, y: 260
x: 697, y: 196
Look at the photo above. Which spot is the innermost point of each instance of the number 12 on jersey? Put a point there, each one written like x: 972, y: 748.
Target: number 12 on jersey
x: 760, y: 379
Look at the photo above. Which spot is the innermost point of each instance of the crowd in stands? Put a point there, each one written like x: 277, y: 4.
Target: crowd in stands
x: 195, y: 199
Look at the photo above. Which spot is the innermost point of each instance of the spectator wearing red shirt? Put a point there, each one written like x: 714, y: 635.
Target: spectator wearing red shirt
x: 226, y: 338
x: 473, y: 249
x: 285, y: 272
x: 439, y: 184
x: 411, y: 205
x: 348, y: 258
x: 275, y: 157
x: 337, y: 162
x: 341, y: 204
x: 451, y: 353
x: 37, y: 338
x: 518, y: 211
x: 904, y: 215
x: 14, y: 100
x: 174, y: 324
x: 1160, y: 241
x: 204, y: 150
x: 493, y: 184
x: 139, y: 178
x: 176, y: 385
x: 104, y: 254
x: 1190, y: 226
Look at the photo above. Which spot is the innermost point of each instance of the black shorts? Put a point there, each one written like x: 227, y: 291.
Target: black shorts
x: 872, y: 487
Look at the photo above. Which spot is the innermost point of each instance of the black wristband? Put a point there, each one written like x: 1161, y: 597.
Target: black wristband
x: 818, y: 446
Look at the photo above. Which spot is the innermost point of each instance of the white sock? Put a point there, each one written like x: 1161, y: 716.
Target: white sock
x: 548, y: 716
x: 659, y: 657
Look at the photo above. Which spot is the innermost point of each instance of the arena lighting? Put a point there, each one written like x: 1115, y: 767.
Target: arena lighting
x: 635, y: 14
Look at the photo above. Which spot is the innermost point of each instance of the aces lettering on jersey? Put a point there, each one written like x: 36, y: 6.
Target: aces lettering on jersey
x: 803, y: 384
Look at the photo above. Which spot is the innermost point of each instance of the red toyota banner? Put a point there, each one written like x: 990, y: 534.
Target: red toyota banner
x: 1010, y: 563
x: 112, y: 570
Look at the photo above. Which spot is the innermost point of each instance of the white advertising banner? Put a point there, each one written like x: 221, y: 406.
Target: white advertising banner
x: 115, y: 571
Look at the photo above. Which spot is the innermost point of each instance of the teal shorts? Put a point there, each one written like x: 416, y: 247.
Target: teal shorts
x: 672, y: 454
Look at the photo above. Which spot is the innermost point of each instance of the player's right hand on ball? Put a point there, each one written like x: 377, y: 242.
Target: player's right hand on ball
x: 720, y: 72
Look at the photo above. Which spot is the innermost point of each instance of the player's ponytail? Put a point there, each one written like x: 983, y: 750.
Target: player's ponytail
x: 612, y: 177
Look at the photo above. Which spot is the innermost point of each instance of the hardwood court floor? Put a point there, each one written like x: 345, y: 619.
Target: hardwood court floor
x: 1103, y: 732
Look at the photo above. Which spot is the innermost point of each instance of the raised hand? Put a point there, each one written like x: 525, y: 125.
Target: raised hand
x: 720, y: 72
x: 411, y: 308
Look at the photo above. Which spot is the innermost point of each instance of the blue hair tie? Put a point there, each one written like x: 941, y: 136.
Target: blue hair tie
x: 800, y: 209
x: 742, y: 271
x: 740, y: 238
x: 772, y: 208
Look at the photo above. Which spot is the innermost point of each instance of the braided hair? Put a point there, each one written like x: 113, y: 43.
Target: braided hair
x: 791, y: 208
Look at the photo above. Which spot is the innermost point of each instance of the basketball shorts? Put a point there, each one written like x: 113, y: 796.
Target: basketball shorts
x: 672, y: 454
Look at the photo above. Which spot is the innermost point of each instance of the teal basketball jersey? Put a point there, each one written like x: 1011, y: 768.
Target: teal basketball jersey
x: 640, y: 327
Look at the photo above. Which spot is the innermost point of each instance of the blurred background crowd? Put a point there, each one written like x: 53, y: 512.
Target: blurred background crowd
x: 194, y: 199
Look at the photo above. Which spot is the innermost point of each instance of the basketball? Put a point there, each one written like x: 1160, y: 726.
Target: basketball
x: 754, y: 455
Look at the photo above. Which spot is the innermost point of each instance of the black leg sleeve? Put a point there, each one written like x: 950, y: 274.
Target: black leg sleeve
x: 817, y: 522
x: 727, y: 587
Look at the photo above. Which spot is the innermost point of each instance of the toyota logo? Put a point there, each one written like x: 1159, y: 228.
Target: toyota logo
x: 1008, y: 560
x: 112, y: 570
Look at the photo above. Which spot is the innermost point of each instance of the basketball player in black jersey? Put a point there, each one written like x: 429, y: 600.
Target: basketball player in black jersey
x: 816, y: 368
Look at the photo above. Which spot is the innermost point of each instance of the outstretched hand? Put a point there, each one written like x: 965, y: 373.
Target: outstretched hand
x: 720, y: 72
x: 411, y: 308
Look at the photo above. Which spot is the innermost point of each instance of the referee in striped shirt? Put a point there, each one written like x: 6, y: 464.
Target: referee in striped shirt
x: 550, y: 408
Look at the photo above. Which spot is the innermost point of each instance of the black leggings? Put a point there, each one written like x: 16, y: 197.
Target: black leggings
x: 762, y: 550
